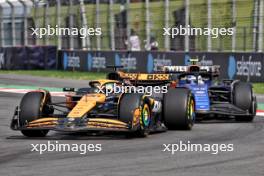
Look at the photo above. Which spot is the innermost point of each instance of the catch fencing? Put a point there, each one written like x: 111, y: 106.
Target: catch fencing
x: 147, y: 18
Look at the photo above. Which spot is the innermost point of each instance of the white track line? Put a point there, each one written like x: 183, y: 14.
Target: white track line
x: 23, y: 91
x: 260, y: 112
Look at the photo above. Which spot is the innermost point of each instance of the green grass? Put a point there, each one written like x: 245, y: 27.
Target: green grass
x: 258, y: 87
x: 58, y: 74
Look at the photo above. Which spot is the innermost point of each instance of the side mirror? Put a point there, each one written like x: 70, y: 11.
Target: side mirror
x: 68, y: 89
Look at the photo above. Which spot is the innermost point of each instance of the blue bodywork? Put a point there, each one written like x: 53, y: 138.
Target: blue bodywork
x: 200, y: 93
x: 201, y: 97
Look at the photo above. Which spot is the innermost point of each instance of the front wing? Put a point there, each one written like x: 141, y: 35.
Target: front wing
x: 63, y: 124
x: 225, y: 109
x: 74, y: 124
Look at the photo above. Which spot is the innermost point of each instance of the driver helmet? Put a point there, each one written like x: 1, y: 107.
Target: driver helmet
x: 200, y: 80
x: 191, y: 79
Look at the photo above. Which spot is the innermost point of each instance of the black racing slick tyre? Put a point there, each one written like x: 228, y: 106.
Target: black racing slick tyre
x: 128, y: 105
x: 31, y: 108
x: 243, y: 98
x: 178, y: 109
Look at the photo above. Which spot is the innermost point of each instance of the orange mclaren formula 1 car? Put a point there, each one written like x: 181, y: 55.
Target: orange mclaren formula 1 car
x: 95, y: 109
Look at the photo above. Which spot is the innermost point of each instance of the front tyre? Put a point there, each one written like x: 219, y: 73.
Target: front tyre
x: 134, y: 109
x: 32, y: 106
x: 178, y: 109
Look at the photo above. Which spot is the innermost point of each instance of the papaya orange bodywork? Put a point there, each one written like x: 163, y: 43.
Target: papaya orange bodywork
x: 86, y: 103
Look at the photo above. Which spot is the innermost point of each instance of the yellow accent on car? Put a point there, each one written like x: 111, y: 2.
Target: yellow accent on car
x: 106, y: 123
x: 43, y: 122
x: 46, y: 119
x: 110, y: 121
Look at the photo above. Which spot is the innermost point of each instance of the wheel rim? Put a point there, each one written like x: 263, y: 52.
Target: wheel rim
x: 191, y: 114
x: 145, y: 116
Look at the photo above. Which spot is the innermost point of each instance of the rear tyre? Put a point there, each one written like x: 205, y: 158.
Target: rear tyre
x: 31, y: 108
x: 244, y: 99
x: 128, y: 105
x: 178, y: 109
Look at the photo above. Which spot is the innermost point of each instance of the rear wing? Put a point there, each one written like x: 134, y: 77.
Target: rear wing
x: 214, y: 69
x: 141, y: 78
x: 145, y: 76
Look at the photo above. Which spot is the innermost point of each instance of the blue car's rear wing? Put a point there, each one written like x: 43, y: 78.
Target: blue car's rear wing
x: 213, y: 70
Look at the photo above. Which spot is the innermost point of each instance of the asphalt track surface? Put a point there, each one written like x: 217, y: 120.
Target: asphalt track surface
x: 121, y: 156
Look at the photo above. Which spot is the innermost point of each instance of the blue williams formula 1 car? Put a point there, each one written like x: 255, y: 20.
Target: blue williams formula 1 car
x: 214, y: 98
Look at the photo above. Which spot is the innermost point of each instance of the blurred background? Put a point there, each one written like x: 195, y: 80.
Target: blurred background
x: 146, y: 17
